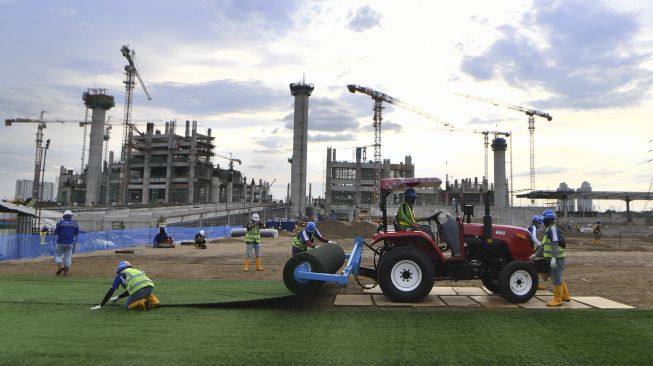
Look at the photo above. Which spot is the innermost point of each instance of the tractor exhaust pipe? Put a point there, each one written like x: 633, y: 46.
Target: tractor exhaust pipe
x: 487, y: 221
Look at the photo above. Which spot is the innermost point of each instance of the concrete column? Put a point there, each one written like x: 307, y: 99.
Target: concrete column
x: 99, y: 102
x: 301, y: 92
x: 192, y: 163
x: 171, y: 139
x: 146, y: 164
x: 107, y: 193
x: 499, y: 146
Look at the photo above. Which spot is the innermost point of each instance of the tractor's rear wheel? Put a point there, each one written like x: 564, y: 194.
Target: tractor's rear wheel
x: 518, y: 281
x: 406, y: 274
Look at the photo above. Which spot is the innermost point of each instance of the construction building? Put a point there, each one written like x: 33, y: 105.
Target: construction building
x: 166, y: 168
x: 301, y: 92
x: 349, y: 186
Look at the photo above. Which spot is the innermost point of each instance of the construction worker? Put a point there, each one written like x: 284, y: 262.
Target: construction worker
x: 536, y: 223
x: 306, y: 238
x: 596, y: 229
x: 67, y: 232
x: 138, y: 287
x: 556, y: 253
x: 253, y: 242
x: 162, y: 240
x: 200, y: 240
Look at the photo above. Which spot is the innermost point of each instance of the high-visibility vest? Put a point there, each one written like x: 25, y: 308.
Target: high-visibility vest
x: 299, y: 243
x: 253, y: 235
x: 136, y: 280
x: 548, y: 248
x: 405, y: 216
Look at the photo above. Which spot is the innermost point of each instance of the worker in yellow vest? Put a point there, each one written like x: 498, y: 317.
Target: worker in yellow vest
x: 554, y: 250
x: 253, y: 242
x: 139, y: 289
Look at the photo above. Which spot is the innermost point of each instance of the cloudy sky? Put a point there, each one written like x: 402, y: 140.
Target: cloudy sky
x: 228, y: 65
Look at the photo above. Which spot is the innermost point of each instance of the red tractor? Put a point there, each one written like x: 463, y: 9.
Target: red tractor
x: 409, y: 262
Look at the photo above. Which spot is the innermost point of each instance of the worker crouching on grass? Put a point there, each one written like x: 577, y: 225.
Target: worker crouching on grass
x: 253, y: 242
x: 306, y: 238
x: 554, y: 249
x: 139, y: 289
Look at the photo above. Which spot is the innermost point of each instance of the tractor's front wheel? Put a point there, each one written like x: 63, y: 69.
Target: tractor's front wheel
x: 518, y: 281
x: 406, y: 274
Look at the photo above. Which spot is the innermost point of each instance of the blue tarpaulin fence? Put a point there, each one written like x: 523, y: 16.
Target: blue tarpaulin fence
x: 20, y: 246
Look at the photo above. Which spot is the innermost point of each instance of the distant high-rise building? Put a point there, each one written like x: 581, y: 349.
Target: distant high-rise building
x: 584, y: 204
x: 24, y: 190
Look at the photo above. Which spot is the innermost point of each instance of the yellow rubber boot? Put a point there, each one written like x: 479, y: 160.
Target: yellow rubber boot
x: 565, y: 293
x: 557, y: 297
x: 246, y: 264
x: 259, y: 266
x: 155, y: 302
x: 137, y: 305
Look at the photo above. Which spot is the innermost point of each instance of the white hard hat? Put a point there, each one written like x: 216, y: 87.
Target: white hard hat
x: 68, y: 212
x: 201, y: 232
x: 255, y: 217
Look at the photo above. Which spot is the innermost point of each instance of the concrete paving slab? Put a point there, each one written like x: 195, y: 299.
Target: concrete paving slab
x: 375, y: 290
x: 565, y: 305
x: 493, y: 301
x: 447, y: 291
x: 467, y: 291
x: 382, y: 300
x: 459, y: 301
x: 487, y: 291
x: 543, y: 293
x: 353, y: 300
x: 533, y: 303
x: 601, y: 303
x: 430, y: 301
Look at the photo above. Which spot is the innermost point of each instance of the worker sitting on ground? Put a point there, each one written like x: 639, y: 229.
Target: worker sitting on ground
x: 139, y: 289
x: 200, y: 240
x: 306, y: 238
x: 162, y: 240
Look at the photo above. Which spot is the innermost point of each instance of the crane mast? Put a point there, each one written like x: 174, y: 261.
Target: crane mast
x: 379, y: 98
x: 531, y: 113
x: 131, y: 73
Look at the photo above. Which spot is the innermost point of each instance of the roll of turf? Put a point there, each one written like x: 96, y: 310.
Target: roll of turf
x: 269, y: 233
x: 238, y: 232
x: 327, y: 258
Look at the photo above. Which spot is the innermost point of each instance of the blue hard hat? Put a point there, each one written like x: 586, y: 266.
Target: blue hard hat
x: 122, y: 265
x: 539, y: 219
x: 410, y: 193
x: 548, y: 214
x: 310, y: 227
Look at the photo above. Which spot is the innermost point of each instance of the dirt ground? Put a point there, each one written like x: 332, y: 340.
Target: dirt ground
x: 619, y: 269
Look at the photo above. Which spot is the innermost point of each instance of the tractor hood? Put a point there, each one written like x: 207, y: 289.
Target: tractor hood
x: 401, y: 184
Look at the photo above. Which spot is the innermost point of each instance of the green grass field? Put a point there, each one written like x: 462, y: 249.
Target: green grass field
x: 47, y: 321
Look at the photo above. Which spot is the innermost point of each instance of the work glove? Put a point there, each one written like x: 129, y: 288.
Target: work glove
x: 554, y: 265
x: 96, y: 307
x: 114, y: 299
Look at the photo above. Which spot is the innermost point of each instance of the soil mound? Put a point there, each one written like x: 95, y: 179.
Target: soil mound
x: 345, y: 230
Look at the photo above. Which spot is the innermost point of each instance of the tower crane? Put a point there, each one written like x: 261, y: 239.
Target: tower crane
x: 378, y: 98
x: 131, y: 72
x: 531, y: 113
x: 231, y: 162
x: 38, y: 158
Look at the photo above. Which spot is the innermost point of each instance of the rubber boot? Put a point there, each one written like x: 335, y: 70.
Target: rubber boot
x: 151, y: 298
x: 137, y: 305
x: 540, y: 284
x: 557, y: 297
x: 246, y: 265
x: 565, y: 293
x: 60, y: 268
x: 259, y: 266
x: 66, y: 271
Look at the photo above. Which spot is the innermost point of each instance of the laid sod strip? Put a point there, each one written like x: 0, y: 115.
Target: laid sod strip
x: 54, y: 290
